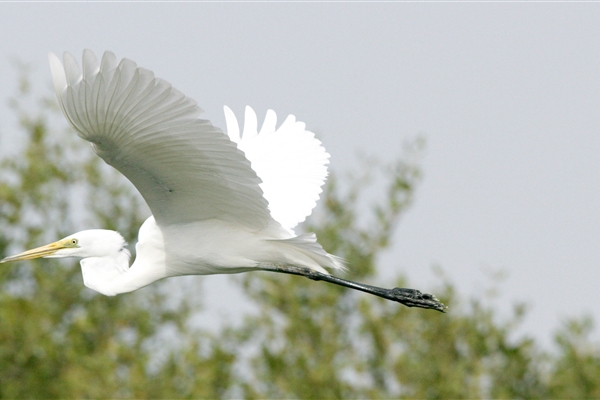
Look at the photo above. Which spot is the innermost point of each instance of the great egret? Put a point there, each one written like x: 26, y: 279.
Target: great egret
x: 221, y: 203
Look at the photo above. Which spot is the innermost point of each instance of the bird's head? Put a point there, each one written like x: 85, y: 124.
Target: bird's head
x: 90, y: 243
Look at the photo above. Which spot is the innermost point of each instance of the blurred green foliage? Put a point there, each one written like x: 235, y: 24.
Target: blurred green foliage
x: 308, y: 339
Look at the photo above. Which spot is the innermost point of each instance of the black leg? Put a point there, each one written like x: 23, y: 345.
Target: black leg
x: 408, y: 297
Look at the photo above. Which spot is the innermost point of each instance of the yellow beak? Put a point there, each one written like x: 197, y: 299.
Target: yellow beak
x: 38, y: 252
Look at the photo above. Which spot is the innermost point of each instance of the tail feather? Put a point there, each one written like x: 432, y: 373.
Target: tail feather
x: 307, y: 244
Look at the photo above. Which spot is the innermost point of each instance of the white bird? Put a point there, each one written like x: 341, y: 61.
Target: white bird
x: 220, y: 203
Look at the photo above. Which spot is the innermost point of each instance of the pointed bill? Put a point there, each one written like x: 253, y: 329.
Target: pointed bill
x: 43, y: 251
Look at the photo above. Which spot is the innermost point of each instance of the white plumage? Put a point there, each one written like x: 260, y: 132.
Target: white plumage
x: 220, y: 204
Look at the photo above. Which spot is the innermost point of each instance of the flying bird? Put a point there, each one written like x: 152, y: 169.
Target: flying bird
x: 221, y: 203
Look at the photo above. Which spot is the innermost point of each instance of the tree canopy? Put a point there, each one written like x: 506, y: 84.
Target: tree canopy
x: 308, y: 340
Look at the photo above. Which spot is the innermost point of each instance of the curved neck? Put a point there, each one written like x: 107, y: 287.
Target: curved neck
x: 111, y: 275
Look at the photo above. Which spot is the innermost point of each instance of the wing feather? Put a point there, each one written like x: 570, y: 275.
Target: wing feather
x: 290, y: 161
x: 185, y: 168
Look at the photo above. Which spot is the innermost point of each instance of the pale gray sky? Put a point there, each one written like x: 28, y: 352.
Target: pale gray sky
x: 507, y: 95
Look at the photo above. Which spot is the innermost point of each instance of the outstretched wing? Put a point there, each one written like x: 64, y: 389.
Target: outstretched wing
x: 290, y: 161
x: 185, y: 168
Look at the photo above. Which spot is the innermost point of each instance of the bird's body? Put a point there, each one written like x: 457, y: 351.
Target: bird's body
x: 221, y: 247
x: 221, y: 203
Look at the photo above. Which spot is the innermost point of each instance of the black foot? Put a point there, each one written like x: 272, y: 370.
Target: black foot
x: 414, y: 298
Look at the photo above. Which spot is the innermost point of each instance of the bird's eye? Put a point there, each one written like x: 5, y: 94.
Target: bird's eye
x: 73, y: 241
